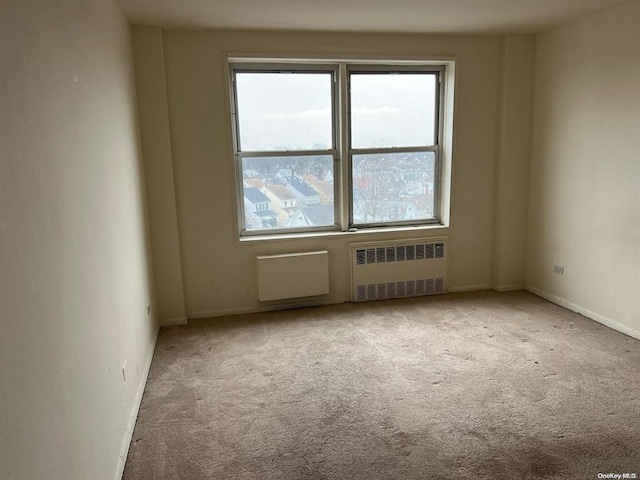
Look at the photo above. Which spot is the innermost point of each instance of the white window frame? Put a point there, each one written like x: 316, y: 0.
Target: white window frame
x: 342, y: 151
x: 390, y: 69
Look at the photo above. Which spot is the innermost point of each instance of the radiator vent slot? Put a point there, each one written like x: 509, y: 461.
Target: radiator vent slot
x: 401, y: 253
x: 411, y: 288
x: 402, y: 268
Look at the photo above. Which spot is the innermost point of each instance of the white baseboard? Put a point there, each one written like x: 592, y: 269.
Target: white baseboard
x: 509, y: 288
x: 584, y: 312
x: 131, y: 423
x: 266, y: 308
x: 470, y: 288
x: 224, y: 312
x: 168, y: 322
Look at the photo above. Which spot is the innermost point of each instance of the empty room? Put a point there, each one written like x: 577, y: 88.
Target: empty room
x: 319, y: 240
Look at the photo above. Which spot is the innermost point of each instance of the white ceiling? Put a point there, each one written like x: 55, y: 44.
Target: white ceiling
x: 416, y: 16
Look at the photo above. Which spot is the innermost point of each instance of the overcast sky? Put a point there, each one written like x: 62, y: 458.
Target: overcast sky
x: 294, y: 110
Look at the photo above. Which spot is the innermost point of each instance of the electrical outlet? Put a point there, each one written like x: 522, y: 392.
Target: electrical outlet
x: 124, y: 373
x: 217, y: 285
x: 559, y: 269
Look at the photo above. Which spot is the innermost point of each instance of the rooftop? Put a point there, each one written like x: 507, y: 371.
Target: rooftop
x: 255, y: 196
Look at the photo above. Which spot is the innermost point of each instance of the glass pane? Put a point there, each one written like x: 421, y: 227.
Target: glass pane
x: 393, y: 187
x: 288, y: 192
x: 284, y: 111
x: 393, y: 110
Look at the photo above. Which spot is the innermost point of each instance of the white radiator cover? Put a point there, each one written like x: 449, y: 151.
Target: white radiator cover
x: 293, y: 275
x: 399, y: 268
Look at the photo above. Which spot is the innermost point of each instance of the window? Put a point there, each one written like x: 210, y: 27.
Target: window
x: 337, y: 146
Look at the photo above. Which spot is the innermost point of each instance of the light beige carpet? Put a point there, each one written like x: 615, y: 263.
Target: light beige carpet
x: 465, y: 386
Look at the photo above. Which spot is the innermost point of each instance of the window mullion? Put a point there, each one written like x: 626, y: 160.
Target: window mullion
x: 345, y: 165
x: 287, y: 153
x: 365, y: 151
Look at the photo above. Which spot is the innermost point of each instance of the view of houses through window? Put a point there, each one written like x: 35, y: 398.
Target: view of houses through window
x: 288, y: 192
x: 292, y: 192
x: 393, y: 187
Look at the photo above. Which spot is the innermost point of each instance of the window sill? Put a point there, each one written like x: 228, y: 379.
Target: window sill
x: 363, y: 232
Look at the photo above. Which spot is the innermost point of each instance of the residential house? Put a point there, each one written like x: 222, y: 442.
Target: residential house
x: 313, y: 216
x: 302, y: 191
x: 322, y: 187
x: 284, y: 202
x: 258, y: 213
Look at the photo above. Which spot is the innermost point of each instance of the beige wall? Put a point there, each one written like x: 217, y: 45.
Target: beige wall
x: 203, y: 164
x: 514, y: 154
x: 585, y: 176
x: 74, y: 276
x: 158, y: 167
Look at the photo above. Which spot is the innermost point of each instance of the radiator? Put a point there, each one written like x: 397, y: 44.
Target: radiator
x: 400, y: 268
x: 293, y: 275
